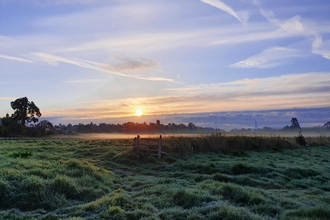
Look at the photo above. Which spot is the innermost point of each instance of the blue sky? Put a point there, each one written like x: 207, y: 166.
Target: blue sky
x: 100, y: 60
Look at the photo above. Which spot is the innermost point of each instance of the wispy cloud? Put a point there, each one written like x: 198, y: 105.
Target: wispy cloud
x: 147, y: 41
x: 269, y: 58
x: 53, y: 2
x: 84, y: 81
x: 275, y: 83
x: 296, y: 90
x: 292, y: 25
x: 295, y: 26
x: 7, y: 98
x: 320, y: 47
x: 222, y: 6
x: 263, y: 32
x: 53, y: 60
x: 15, y: 58
x: 128, y: 64
x: 151, y: 40
x: 287, y: 91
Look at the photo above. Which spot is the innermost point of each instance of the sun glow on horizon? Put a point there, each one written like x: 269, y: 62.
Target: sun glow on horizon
x: 138, y: 112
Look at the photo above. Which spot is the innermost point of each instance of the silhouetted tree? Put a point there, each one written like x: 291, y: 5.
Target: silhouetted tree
x: 46, y: 127
x: 182, y: 127
x: 327, y: 125
x: 25, y: 111
x: 295, y: 124
x: 191, y: 126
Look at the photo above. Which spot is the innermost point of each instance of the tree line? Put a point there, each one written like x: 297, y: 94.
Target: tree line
x: 25, y: 122
x: 126, y: 128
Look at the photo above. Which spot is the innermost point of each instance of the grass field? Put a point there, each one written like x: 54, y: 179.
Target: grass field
x: 202, y: 178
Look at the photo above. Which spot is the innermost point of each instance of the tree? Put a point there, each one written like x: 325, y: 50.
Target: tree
x: 191, y: 126
x: 25, y: 111
x: 295, y: 123
x: 46, y: 127
x: 327, y: 125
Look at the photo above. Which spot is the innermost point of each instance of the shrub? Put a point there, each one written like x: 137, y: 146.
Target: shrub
x: 300, y: 139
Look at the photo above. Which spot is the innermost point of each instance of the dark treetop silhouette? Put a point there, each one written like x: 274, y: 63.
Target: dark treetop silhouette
x: 25, y: 111
x: 295, y: 123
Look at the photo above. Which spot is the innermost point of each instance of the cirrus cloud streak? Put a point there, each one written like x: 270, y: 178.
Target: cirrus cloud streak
x: 53, y: 60
x: 269, y: 58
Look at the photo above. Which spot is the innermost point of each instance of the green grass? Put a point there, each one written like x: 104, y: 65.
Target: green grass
x: 212, y: 177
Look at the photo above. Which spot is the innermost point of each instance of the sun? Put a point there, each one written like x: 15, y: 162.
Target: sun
x: 138, y: 112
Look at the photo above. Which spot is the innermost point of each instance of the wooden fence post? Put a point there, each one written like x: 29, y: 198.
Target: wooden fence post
x: 138, y: 144
x: 135, y: 144
x: 160, y: 147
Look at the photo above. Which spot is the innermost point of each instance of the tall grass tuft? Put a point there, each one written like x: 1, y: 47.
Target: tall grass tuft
x: 66, y: 186
x: 20, y: 154
x: 219, y: 143
x: 232, y: 213
x: 320, y: 213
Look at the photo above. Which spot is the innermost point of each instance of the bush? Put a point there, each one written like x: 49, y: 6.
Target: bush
x: 300, y: 139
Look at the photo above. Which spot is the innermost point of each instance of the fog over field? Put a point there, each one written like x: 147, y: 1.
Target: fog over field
x: 307, y: 117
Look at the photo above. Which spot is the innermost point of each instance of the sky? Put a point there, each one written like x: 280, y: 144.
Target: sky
x: 218, y: 63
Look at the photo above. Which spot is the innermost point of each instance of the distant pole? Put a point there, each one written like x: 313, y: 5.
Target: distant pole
x: 215, y: 127
x: 160, y: 147
x: 255, y: 126
x: 135, y: 144
x: 138, y: 144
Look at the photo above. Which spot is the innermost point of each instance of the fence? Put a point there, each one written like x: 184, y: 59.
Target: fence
x: 33, y: 138
x: 23, y: 138
x: 151, y: 146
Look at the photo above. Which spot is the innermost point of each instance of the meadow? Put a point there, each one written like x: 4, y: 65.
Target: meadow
x: 210, y: 177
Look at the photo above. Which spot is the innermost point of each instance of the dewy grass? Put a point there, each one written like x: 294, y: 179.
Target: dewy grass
x: 215, y: 177
x: 20, y: 154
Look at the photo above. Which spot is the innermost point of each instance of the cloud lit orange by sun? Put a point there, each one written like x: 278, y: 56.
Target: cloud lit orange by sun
x: 138, y: 112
